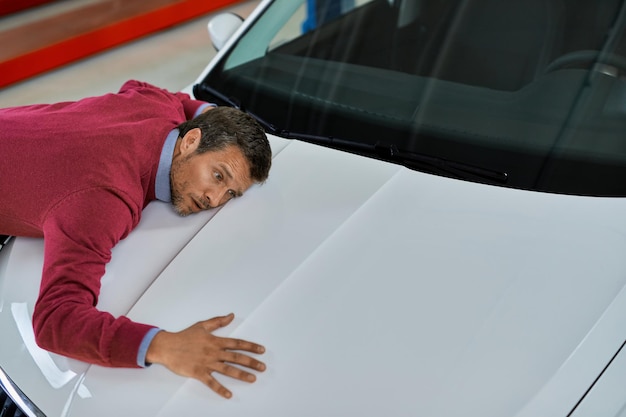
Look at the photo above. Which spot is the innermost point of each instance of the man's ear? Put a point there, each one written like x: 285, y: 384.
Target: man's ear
x: 189, y: 143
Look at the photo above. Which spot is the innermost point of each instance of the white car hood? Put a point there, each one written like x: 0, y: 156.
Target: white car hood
x: 376, y: 290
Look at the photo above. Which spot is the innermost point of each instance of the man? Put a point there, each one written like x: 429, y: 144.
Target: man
x: 80, y: 173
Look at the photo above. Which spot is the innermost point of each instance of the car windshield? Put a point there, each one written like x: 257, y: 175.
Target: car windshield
x: 528, y: 94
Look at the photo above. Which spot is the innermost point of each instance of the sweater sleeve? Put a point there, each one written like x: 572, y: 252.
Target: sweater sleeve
x: 79, y: 234
x: 190, y: 106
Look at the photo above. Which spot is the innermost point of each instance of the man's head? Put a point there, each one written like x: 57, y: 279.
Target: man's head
x: 218, y: 156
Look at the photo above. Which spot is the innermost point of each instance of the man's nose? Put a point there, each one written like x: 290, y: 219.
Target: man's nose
x: 217, y: 196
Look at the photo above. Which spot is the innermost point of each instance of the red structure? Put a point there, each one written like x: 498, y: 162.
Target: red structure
x: 12, y: 6
x: 51, y: 42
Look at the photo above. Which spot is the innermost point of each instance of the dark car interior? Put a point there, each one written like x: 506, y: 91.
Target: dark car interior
x: 489, y: 43
x: 525, y: 93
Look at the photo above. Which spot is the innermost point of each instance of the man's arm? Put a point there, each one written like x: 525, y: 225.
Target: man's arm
x: 196, y: 353
x: 79, y: 234
x: 190, y: 105
x: 67, y: 322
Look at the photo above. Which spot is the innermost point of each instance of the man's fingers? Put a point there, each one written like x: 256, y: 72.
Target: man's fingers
x: 230, y: 371
x: 196, y: 352
x: 235, y: 372
x: 217, y: 387
x: 217, y: 322
x: 238, y: 344
x: 244, y: 360
x: 228, y: 343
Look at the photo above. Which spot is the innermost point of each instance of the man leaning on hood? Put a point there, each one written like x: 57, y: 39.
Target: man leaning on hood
x: 80, y: 173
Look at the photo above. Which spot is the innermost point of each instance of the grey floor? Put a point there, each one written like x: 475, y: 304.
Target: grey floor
x: 170, y: 59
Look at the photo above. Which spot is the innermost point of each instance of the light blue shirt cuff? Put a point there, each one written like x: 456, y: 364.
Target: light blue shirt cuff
x: 202, y: 107
x: 143, y: 347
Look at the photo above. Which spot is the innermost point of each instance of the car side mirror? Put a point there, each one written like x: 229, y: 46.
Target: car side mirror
x: 221, y: 28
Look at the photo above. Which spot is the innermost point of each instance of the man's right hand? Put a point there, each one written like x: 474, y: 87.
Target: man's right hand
x: 196, y: 353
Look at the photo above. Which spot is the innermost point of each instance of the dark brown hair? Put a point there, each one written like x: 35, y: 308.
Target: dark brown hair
x: 224, y: 126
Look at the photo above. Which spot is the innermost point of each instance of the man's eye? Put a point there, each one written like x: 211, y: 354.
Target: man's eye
x: 218, y: 176
x: 232, y: 194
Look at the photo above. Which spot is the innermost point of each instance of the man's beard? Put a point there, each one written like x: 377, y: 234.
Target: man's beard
x: 176, y: 203
x: 176, y: 196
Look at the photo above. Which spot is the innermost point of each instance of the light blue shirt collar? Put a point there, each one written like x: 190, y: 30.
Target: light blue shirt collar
x: 162, y: 188
x: 162, y: 184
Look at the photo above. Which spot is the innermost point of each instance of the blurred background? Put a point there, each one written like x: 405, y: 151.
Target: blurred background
x: 69, y: 49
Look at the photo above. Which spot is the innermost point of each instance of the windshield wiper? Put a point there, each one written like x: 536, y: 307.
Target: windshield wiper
x: 412, y: 160
x: 388, y: 152
x: 4, y: 240
x: 455, y: 168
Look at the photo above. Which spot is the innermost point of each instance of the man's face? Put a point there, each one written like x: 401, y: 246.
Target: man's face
x: 203, y: 181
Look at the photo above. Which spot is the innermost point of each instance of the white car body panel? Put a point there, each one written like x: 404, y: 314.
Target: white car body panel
x: 320, y: 265
x: 607, y: 397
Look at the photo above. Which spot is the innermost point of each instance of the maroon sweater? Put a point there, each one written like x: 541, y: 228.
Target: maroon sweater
x: 79, y: 174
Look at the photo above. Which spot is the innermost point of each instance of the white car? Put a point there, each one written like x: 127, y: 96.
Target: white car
x: 442, y: 233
